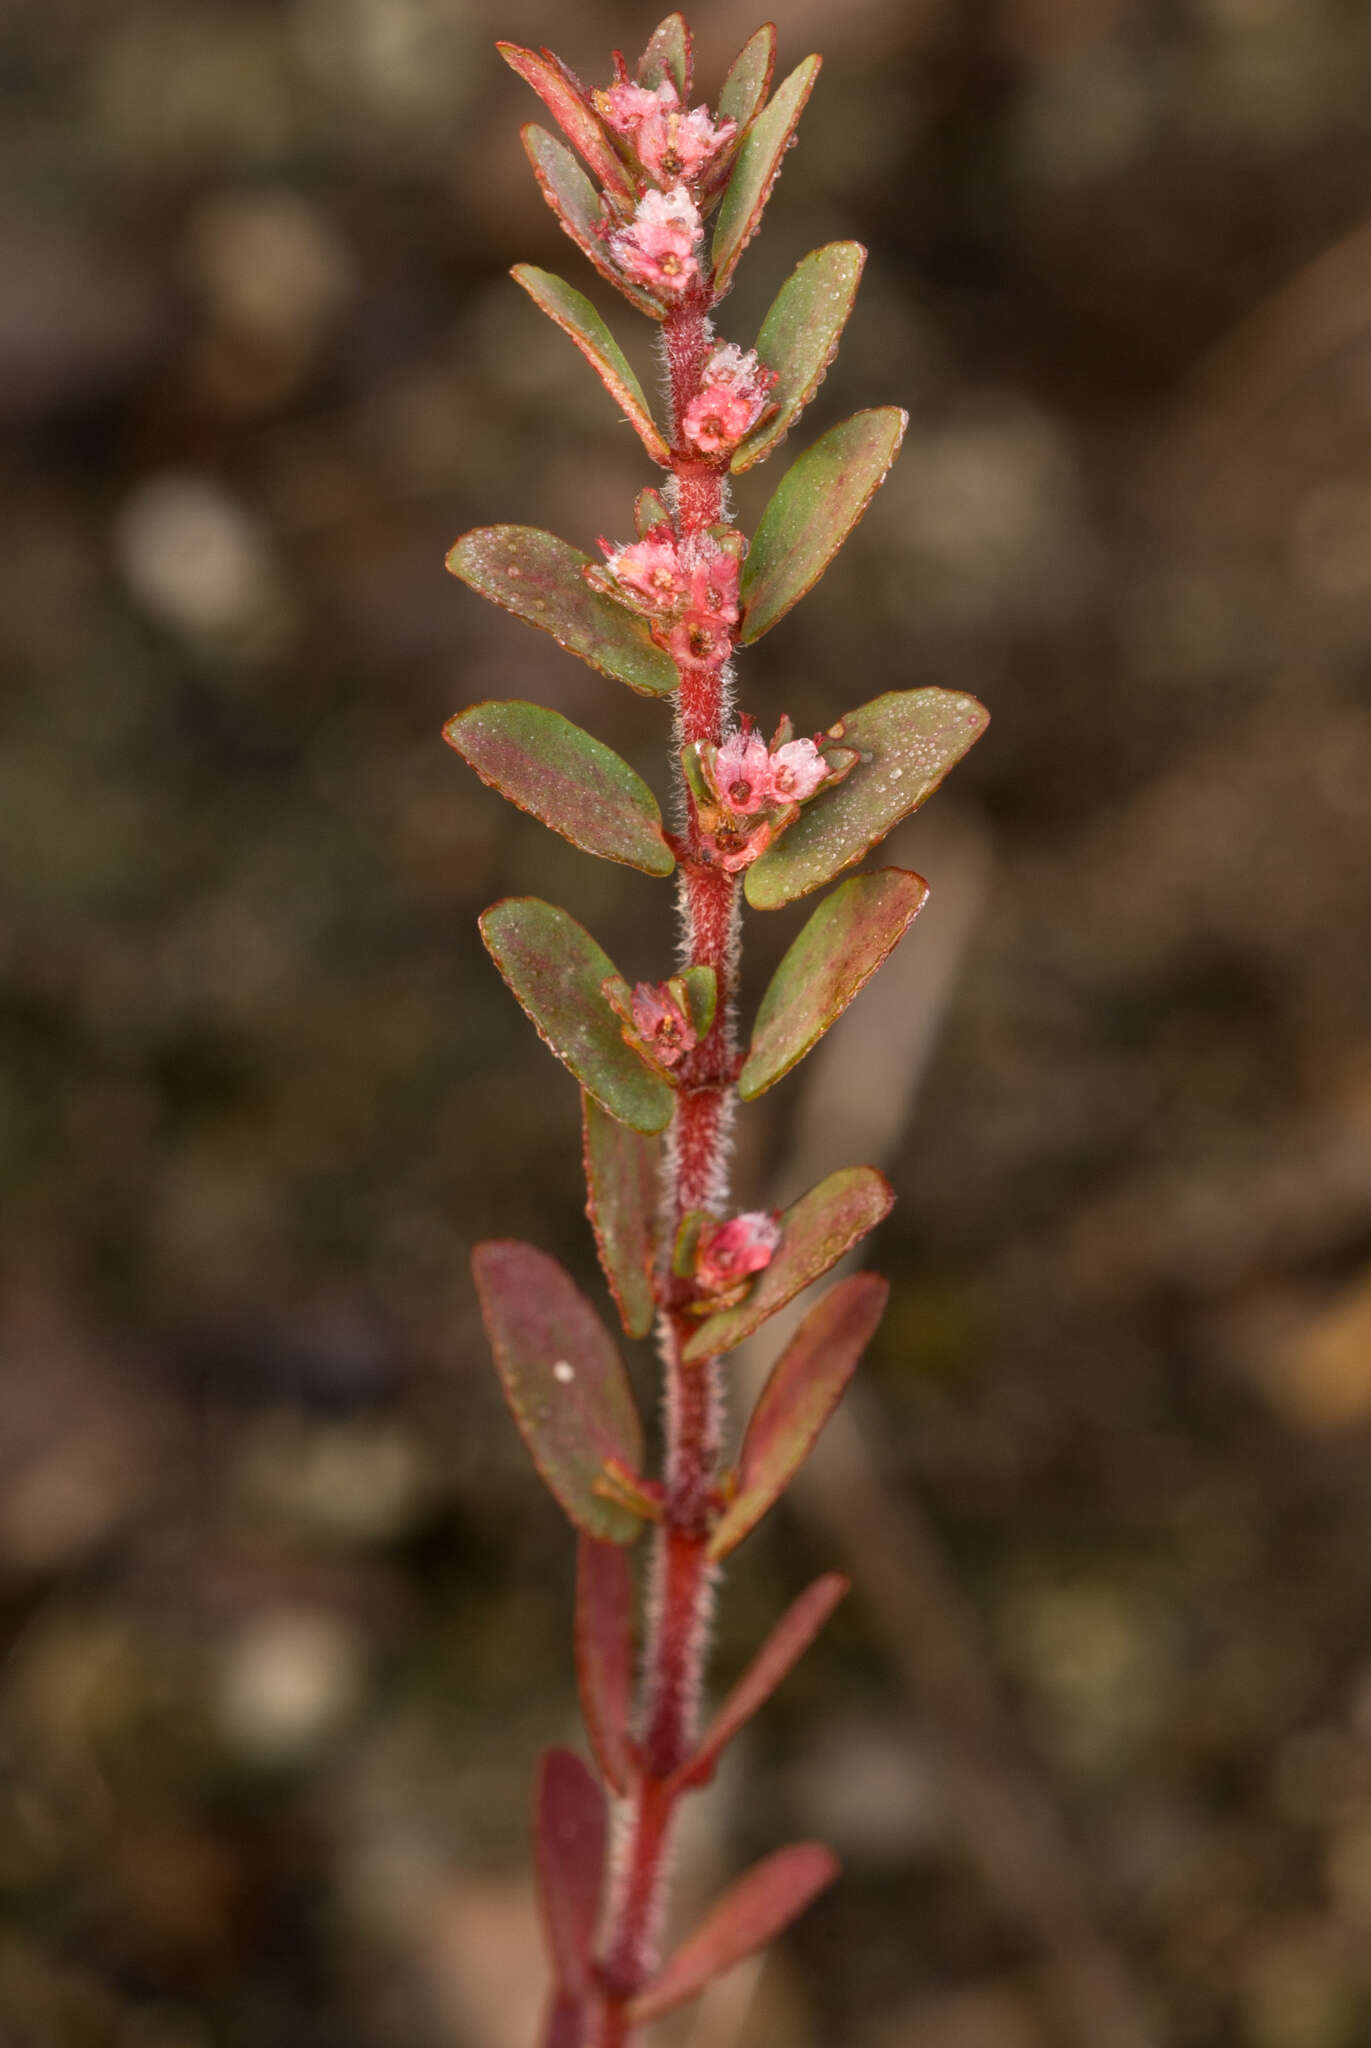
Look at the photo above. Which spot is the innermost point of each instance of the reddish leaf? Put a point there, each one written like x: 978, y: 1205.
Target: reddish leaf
x: 749, y: 79
x: 757, y: 168
x: 604, y: 1655
x: 799, y: 339
x: 563, y: 1379
x: 908, y: 740
x: 577, y: 317
x: 815, y: 1232
x: 831, y: 961
x: 805, y: 1386
x: 814, y: 508
x: 565, y: 2026
x: 557, y: 971
x: 749, y: 1915
x: 569, y: 1850
x: 778, y: 1656
x: 576, y: 203
x: 621, y: 1186
x: 669, y: 54
x: 565, y: 778
x: 538, y: 578
x: 574, y: 116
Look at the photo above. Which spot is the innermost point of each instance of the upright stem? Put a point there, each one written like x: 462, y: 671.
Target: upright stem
x: 696, y: 1177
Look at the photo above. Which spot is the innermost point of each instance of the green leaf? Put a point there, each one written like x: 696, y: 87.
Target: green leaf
x: 757, y: 168
x: 668, y: 55
x: 621, y: 1183
x: 577, y: 120
x: 751, y: 1913
x: 799, y: 339
x: 566, y: 778
x: 815, y: 1233
x: 805, y: 1386
x: 833, y: 958
x: 576, y: 317
x: 749, y: 79
x: 576, y: 203
x: 812, y: 511
x: 701, y: 989
x: 538, y: 577
x: 563, y: 1379
x: 907, y: 739
x: 556, y: 969
x: 649, y: 510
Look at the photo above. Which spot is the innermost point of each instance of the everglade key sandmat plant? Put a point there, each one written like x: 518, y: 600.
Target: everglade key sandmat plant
x: 663, y: 201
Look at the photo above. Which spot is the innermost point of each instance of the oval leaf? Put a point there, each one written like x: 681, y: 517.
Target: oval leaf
x: 577, y: 120
x: 669, y: 54
x: 749, y: 79
x: 649, y: 510
x: 576, y: 203
x: 907, y: 739
x: 749, y: 1915
x: 805, y: 1387
x: 604, y: 1655
x: 569, y: 1856
x: 757, y: 168
x: 556, y: 970
x: 563, y: 1379
x: 815, y: 1233
x: 538, y: 577
x: 830, y: 962
x: 812, y: 511
x: 799, y: 339
x: 778, y: 1656
x: 576, y: 316
x: 621, y: 1186
x: 566, y: 778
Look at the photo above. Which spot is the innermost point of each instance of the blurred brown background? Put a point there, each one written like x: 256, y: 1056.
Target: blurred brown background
x: 285, y: 1611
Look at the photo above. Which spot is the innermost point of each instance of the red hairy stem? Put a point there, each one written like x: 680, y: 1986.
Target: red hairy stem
x: 682, y: 1578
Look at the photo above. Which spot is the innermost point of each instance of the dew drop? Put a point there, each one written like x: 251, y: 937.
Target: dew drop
x: 563, y: 1372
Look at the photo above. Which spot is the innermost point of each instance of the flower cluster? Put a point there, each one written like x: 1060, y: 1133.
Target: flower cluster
x: 728, y: 1254
x: 670, y: 144
x: 658, y: 246
x: 687, y: 589
x: 733, y: 396
x: 747, y: 792
x: 661, y: 1023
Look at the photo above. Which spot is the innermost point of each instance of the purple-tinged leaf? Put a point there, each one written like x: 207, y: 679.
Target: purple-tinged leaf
x: 575, y: 117
x: 749, y: 1915
x: 907, y: 740
x: 621, y: 1187
x: 799, y: 339
x: 776, y: 1659
x: 815, y: 1233
x: 569, y: 1855
x: 604, y: 1655
x: 538, y: 577
x: 805, y: 1386
x: 565, y: 2025
x: 756, y: 169
x: 576, y: 203
x: 577, y: 317
x: 749, y: 79
x: 649, y: 510
x: 812, y: 511
x: 669, y: 54
x: 566, y: 778
x: 563, y: 1379
x: 557, y: 972
x: 831, y: 961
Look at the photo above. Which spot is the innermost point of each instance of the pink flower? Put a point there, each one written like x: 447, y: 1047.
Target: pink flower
x: 661, y: 1023
x: 658, y: 246
x: 624, y: 106
x: 672, y: 145
x: 699, y: 640
x: 732, y: 397
x: 797, y: 770
x: 714, y: 574
x: 651, y: 571
x: 728, y: 1253
x: 742, y: 773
